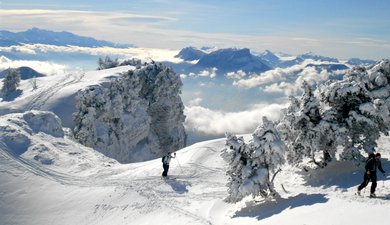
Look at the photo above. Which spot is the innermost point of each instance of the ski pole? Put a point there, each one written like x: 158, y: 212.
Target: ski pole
x: 179, y: 164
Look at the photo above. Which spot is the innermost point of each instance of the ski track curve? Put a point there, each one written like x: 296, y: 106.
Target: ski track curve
x: 40, y: 99
x: 148, y: 184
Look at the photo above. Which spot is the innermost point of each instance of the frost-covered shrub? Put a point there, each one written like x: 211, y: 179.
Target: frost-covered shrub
x: 136, y: 117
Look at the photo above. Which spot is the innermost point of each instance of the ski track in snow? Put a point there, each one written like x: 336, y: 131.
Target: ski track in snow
x: 196, y: 185
x: 160, y: 193
x: 44, y: 95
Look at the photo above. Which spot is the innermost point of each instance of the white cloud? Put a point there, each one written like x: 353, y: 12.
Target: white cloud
x: 283, y: 88
x: 312, y: 76
x: 47, y: 68
x: 203, y: 120
x: 208, y: 73
x: 19, y: 48
x: 288, y: 81
x: 236, y: 75
x: 145, y: 54
x: 271, y: 76
x: 212, y: 72
x: 195, y: 102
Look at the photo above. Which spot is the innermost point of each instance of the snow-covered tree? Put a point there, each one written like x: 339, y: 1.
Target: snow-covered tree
x: 131, y: 62
x: 107, y: 63
x: 299, y: 126
x: 351, y: 113
x: 253, y: 166
x: 236, y: 154
x: 268, y: 152
x: 286, y: 124
x: 135, y: 117
x: 11, y: 82
x: 350, y: 105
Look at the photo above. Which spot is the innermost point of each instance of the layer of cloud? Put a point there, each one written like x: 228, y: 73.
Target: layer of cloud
x: 154, y: 30
x: 287, y: 81
x: 213, y: 122
x: 145, y: 54
x: 45, y: 67
x: 211, y: 73
x: 236, y: 75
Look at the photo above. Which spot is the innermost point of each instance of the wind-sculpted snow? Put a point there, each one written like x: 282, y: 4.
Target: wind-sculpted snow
x: 16, y: 129
x: 137, y: 116
x: 46, y: 122
x: 36, y: 138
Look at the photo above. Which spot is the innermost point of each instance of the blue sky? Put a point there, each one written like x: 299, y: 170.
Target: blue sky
x: 335, y: 28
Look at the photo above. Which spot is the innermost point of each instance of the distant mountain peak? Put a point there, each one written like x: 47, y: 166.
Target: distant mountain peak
x: 190, y: 54
x: 362, y: 62
x: 24, y: 71
x: 41, y: 36
x: 314, y: 56
x: 233, y: 59
x: 270, y: 58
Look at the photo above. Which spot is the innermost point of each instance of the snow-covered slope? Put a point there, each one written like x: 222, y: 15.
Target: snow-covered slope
x: 57, y: 93
x: 49, y: 179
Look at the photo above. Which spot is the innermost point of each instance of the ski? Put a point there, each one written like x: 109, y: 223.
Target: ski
x: 378, y: 197
x: 168, y: 178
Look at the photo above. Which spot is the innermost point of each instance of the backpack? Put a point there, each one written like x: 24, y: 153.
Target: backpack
x: 163, y: 159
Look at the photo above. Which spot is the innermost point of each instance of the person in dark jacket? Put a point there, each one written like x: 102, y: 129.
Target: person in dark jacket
x: 166, y: 159
x: 372, y: 164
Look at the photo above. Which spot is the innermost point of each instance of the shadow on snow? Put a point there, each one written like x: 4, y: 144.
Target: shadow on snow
x: 180, y: 187
x: 342, y: 175
x: 270, y: 208
x: 12, y: 96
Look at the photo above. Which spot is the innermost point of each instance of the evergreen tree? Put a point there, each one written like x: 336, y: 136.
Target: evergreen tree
x: 359, y: 109
x: 237, y: 156
x: 11, y: 82
x: 351, y: 113
x: 267, y: 155
x: 252, y: 164
x: 300, y: 126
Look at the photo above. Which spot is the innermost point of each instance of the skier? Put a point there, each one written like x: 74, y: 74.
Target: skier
x: 166, y: 159
x: 373, y: 162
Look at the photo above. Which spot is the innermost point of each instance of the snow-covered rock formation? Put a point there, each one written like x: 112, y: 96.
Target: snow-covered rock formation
x: 137, y: 116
